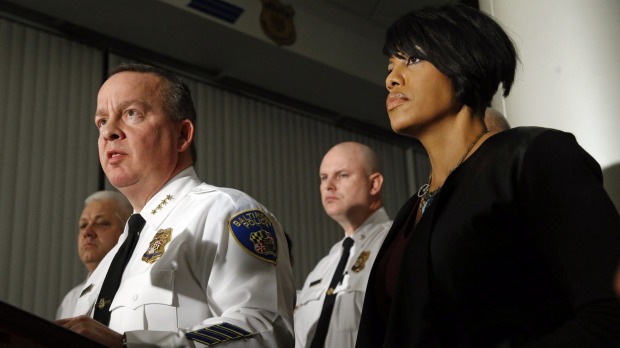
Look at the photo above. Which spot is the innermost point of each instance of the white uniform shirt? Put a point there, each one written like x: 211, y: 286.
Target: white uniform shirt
x: 205, y: 275
x: 350, y: 292
x: 65, y: 310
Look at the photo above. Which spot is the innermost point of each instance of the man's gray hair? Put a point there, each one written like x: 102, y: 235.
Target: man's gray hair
x: 123, y: 207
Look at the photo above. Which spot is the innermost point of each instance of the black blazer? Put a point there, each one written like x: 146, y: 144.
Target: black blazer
x: 518, y: 249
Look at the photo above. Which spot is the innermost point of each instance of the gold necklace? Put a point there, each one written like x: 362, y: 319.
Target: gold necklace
x: 426, y: 196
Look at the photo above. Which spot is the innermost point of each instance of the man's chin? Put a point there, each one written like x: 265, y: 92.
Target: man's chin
x: 119, y: 180
x: 333, y: 212
x: 90, y: 256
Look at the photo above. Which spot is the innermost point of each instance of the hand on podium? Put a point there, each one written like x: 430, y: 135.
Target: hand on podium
x: 89, y: 327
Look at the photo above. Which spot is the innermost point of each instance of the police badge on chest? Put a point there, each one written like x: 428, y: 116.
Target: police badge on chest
x: 157, y: 246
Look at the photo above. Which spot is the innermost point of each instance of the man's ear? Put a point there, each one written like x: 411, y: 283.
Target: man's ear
x: 186, y: 134
x: 376, y: 181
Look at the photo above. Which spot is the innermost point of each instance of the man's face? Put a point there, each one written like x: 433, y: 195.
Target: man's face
x: 100, y: 228
x: 138, y: 141
x: 345, y: 183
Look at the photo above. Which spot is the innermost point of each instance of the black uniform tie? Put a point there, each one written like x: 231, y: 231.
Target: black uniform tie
x: 115, y: 272
x: 328, y: 304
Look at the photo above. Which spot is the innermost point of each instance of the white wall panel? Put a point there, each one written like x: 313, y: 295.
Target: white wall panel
x: 49, y: 162
x: 569, y: 77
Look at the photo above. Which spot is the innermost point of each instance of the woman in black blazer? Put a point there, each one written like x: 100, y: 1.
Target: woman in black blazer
x: 512, y: 241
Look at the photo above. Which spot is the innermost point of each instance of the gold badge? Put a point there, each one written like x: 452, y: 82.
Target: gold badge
x: 361, y: 261
x: 158, y: 245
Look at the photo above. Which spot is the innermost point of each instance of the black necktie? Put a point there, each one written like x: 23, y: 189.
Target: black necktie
x: 115, y: 272
x: 328, y: 304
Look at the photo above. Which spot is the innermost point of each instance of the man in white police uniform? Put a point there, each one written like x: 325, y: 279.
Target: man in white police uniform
x: 101, y: 223
x: 210, y: 265
x: 328, y: 314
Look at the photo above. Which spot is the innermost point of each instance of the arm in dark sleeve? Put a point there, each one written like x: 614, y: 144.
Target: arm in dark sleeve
x: 577, y: 227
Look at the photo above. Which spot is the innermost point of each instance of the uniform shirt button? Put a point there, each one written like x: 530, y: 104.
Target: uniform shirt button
x: 134, y: 297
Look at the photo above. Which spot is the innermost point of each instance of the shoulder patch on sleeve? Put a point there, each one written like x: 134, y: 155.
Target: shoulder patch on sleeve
x: 255, y: 232
x: 212, y: 335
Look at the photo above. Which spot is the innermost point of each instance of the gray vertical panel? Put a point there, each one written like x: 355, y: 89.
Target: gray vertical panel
x: 9, y: 125
x: 49, y: 165
x: 7, y: 150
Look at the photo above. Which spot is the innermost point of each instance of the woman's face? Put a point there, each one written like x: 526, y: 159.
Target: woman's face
x: 420, y: 95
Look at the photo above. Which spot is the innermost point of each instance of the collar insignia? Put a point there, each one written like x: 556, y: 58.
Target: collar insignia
x: 87, y: 290
x: 161, y: 204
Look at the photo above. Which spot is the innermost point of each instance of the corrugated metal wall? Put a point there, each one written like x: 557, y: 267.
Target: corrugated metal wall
x: 48, y: 89
x: 49, y: 162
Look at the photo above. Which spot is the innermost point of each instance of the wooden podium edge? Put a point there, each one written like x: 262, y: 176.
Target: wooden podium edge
x: 19, y: 327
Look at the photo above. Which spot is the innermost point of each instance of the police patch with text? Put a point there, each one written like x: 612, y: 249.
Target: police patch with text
x: 255, y: 232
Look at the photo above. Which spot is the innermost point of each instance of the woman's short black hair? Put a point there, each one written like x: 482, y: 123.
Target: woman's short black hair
x: 464, y: 44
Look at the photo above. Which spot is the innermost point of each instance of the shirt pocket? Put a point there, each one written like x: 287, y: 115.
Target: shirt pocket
x: 310, y: 295
x: 348, y: 310
x: 147, y: 299
x: 356, y: 281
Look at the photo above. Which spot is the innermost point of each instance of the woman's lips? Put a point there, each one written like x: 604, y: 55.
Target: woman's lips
x: 395, y: 100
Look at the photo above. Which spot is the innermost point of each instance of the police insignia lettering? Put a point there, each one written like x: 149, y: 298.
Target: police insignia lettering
x: 361, y: 261
x: 255, y: 232
x: 158, y: 245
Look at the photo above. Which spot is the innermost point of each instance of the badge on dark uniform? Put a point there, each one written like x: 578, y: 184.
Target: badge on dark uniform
x: 158, y: 245
x: 361, y: 261
x: 254, y: 231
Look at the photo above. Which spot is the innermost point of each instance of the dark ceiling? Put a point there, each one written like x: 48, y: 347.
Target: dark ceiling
x: 236, y: 58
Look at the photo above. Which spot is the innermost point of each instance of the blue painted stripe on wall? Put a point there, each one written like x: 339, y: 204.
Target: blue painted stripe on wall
x: 217, y: 8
